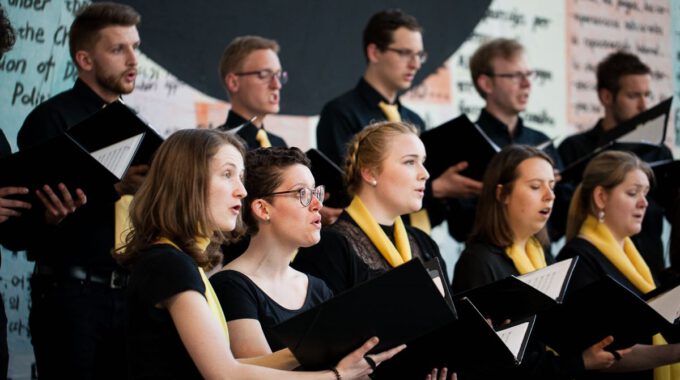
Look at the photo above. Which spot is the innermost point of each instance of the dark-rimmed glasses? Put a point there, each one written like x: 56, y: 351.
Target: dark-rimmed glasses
x: 517, y: 76
x: 408, y: 54
x: 304, y: 194
x: 267, y: 75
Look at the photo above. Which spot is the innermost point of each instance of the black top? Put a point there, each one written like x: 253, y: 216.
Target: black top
x: 648, y: 241
x: 154, y: 347
x: 482, y: 263
x: 344, y: 116
x: 462, y: 211
x: 248, y: 132
x: 86, y: 237
x: 241, y: 298
x: 592, y: 266
x: 7, y: 232
x: 346, y: 257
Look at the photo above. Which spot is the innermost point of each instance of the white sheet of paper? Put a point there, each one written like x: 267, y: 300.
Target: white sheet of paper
x: 513, y: 337
x: 548, y: 280
x: 667, y: 304
x: 117, y: 157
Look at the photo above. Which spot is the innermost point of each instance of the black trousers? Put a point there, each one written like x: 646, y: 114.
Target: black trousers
x: 77, y: 329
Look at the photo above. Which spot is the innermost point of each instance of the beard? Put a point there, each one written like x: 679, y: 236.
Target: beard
x: 114, y: 82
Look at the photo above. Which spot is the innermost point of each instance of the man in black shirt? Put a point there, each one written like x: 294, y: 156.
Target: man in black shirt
x: 77, y: 314
x: 502, y: 78
x: 393, y: 46
x: 623, y: 88
x: 251, y: 73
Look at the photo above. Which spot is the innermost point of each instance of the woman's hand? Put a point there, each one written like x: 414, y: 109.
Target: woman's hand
x: 355, y: 365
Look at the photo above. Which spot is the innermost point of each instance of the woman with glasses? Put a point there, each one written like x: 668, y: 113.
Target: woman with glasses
x: 176, y: 328
x: 258, y: 290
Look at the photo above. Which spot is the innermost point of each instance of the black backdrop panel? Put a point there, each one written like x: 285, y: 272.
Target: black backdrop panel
x: 320, y: 39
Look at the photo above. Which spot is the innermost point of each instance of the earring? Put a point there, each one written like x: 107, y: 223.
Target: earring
x: 374, y: 183
x: 600, y: 216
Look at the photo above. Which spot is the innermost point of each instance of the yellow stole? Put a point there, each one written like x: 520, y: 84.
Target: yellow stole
x: 210, y: 296
x: 395, y: 256
x: 262, y: 138
x: 629, y: 262
x: 122, y: 222
x: 529, y: 258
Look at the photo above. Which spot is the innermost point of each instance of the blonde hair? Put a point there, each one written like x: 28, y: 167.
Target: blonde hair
x: 369, y: 148
x: 608, y: 170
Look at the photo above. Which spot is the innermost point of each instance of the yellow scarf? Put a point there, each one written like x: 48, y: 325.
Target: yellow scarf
x: 529, y: 258
x: 210, y: 296
x: 365, y: 221
x: 122, y: 222
x: 629, y: 262
x: 262, y: 138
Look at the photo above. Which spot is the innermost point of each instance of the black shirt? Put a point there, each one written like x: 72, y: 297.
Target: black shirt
x: 462, y: 211
x: 593, y: 266
x: 86, y: 237
x: 248, y: 131
x: 241, y: 298
x: 155, y: 349
x: 344, y: 116
x: 481, y: 264
x: 345, y: 256
x: 648, y: 241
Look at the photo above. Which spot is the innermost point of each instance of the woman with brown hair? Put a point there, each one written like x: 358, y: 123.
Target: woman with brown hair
x: 176, y: 328
x: 508, y: 238
x: 607, y: 209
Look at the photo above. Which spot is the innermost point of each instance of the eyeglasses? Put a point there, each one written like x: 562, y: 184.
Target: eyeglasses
x: 304, y: 194
x: 267, y: 75
x: 408, y: 54
x: 517, y: 76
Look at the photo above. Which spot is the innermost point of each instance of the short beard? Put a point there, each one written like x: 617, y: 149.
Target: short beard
x: 114, y: 83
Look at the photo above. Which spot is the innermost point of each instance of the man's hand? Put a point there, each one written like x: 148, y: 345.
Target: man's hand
x: 132, y: 180
x: 9, y: 207
x: 56, y: 209
x: 451, y: 184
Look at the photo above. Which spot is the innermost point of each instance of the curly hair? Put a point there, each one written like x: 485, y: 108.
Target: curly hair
x: 7, y: 35
x: 264, y: 173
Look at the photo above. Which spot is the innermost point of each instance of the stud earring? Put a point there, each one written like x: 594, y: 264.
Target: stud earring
x: 374, y: 183
x: 600, y: 216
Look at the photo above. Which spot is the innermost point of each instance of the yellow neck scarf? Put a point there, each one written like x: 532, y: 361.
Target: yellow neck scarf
x: 210, y: 296
x: 391, y: 111
x: 629, y: 262
x: 529, y: 258
x: 262, y: 138
x: 365, y: 221
x: 122, y: 225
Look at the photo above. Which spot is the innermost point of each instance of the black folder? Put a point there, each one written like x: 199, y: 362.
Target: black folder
x: 397, y: 307
x: 468, y: 343
x: 113, y: 123
x: 58, y: 160
x: 327, y: 173
x: 630, y: 136
x: 595, y: 311
x: 458, y: 140
x: 511, y: 298
x: 666, y: 182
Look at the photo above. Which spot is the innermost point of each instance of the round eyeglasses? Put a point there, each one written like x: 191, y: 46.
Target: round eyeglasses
x: 305, y: 194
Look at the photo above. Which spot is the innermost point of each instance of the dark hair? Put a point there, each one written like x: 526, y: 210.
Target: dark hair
x: 237, y: 51
x: 616, y: 65
x: 491, y: 220
x: 7, y: 36
x: 608, y: 169
x: 264, y: 173
x: 84, y: 31
x: 381, y: 27
x: 172, y: 202
x: 368, y: 149
x: 481, y: 60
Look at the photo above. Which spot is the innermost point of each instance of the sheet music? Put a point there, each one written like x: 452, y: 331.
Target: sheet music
x: 667, y: 304
x: 548, y: 280
x: 513, y: 337
x: 487, y: 138
x: 117, y: 157
x: 650, y: 132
